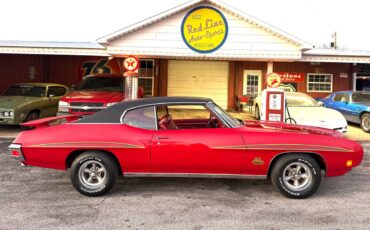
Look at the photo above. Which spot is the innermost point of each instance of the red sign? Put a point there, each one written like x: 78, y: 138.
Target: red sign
x: 273, y: 80
x: 131, y: 63
x: 93, y: 65
x: 291, y: 77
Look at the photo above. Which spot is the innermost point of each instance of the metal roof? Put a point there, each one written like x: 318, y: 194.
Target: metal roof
x: 52, y: 44
x: 53, y: 48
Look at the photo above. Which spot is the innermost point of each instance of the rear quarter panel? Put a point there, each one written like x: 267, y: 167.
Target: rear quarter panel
x: 267, y: 145
x: 49, y: 147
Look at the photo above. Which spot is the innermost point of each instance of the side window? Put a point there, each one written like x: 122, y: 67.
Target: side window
x: 338, y: 97
x: 341, y: 97
x: 186, y: 117
x: 56, y: 91
x: 141, y: 118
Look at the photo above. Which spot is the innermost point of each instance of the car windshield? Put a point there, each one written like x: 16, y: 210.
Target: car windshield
x: 230, y: 119
x: 114, y: 84
x: 26, y: 90
x: 359, y: 97
x: 300, y: 99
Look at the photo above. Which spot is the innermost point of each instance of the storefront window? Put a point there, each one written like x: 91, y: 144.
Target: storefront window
x: 319, y: 82
x: 146, y: 75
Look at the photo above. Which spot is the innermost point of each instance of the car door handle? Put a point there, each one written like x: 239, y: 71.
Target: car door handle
x: 160, y: 138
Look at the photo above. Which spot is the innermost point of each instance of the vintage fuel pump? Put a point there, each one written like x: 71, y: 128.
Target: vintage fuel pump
x: 273, y: 100
x: 131, y: 65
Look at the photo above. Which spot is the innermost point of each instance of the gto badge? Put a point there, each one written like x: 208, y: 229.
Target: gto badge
x: 258, y: 161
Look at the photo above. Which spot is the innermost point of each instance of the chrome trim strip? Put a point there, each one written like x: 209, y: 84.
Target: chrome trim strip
x: 196, y: 175
x: 88, y: 145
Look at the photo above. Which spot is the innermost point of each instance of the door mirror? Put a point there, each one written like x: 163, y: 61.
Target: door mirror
x: 320, y: 103
x: 51, y: 95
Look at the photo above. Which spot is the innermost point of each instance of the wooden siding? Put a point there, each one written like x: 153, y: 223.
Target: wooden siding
x: 336, y: 69
x: 244, y: 40
x: 199, y: 79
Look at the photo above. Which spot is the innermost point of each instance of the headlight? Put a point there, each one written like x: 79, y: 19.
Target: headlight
x: 63, y: 106
x: 110, y: 104
x: 6, y: 113
x: 63, y: 103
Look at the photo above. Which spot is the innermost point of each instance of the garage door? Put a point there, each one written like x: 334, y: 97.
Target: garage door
x: 199, y: 79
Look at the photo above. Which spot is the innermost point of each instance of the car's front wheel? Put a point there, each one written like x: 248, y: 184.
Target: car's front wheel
x: 365, y: 122
x: 296, y: 176
x: 93, y: 173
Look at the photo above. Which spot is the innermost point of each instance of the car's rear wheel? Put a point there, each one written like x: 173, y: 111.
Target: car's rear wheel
x: 257, y: 113
x: 93, y: 173
x: 365, y: 122
x: 296, y: 176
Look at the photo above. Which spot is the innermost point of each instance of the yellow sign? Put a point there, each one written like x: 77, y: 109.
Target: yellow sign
x: 204, y: 29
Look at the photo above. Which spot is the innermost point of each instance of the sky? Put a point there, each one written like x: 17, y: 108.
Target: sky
x: 313, y: 21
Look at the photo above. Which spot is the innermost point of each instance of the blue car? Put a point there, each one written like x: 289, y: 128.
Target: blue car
x: 355, y: 106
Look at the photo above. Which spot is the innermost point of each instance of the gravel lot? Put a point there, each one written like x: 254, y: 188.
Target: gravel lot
x: 34, y: 198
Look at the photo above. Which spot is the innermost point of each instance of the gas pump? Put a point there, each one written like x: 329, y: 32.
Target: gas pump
x: 273, y: 105
x: 131, y: 65
x: 273, y: 100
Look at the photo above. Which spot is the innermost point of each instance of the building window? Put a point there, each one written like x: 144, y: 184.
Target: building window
x: 317, y: 82
x: 146, y: 76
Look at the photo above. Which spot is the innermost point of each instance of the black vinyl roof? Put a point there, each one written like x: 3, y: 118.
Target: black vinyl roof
x: 113, y: 113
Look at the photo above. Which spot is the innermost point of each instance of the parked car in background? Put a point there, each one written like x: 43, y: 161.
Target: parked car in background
x: 95, y: 92
x: 304, y: 110
x: 355, y: 106
x: 30, y: 101
x: 184, y: 137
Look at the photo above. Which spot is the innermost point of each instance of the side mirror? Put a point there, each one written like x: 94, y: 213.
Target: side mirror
x: 320, y: 103
x: 51, y: 95
x: 72, y: 88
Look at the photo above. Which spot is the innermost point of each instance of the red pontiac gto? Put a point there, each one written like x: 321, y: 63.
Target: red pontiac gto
x: 184, y: 137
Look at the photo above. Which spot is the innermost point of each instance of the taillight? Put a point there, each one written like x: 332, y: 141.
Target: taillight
x: 16, y: 151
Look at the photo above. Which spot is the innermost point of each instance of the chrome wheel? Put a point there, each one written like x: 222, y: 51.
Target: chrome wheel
x: 297, y: 176
x: 365, y: 123
x: 92, y: 174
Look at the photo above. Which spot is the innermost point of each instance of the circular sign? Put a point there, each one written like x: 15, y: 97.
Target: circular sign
x: 204, y: 29
x: 273, y: 80
x: 131, y: 63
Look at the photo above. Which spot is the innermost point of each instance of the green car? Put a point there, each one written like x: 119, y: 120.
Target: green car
x: 30, y: 101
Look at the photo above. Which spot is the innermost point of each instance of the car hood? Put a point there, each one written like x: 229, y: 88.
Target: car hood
x: 317, y: 116
x: 283, y: 127
x: 104, y: 96
x: 10, y: 102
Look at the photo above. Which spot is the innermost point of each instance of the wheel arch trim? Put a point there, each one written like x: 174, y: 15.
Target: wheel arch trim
x: 317, y: 156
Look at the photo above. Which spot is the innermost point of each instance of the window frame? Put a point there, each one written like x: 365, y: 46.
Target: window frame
x: 53, y: 87
x: 153, y: 73
x: 141, y: 107
x: 326, y: 83
x: 208, y: 105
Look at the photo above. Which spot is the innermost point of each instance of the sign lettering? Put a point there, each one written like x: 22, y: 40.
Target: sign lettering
x: 204, y: 29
